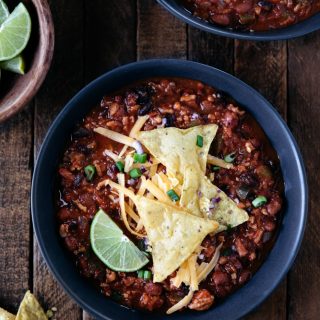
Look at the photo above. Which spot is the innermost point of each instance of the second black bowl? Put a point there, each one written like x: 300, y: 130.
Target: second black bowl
x: 282, y: 254
x: 296, y: 30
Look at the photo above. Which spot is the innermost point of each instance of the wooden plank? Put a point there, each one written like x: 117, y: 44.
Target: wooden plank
x: 63, y: 81
x: 304, y: 119
x: 263, y: 65
x: 210, y: 49
x: 110, y: 35
x: 159, y: 33
x: 15, y: 179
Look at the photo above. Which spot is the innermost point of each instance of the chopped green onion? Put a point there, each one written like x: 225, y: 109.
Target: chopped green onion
x: 135, y: 173
x: 89, y: 171
x: 147, y: 275
x: 200, y: 141
x: 229, y: 227
x: 141, y: 158
x: 230, y: 157
x: 259, y: 201
x: 140, y: 273
x: 215, y: 168
x: 120, y: 166
x: 172, y: 194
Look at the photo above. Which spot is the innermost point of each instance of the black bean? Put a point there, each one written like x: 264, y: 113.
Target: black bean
x: 169, y: 120
x: 265, y: 5
x: 83, y: 149
x: 249, y: 179
x: 145, y: 108
x: 144, y: 99
x: 81, y: 133
x: 77, y: 180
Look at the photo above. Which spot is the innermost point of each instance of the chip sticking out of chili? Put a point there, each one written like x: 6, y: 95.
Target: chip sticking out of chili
x: 176, y: 148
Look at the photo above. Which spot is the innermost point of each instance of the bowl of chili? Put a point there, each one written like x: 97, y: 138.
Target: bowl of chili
x: 180, y: 74
x: 248, y: 20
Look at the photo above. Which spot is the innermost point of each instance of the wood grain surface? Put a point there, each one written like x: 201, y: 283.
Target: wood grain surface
x: 97, y: 35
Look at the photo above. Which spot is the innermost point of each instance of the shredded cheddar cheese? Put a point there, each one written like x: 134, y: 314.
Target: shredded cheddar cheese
x: 182, y: 303
x: 219, y: 162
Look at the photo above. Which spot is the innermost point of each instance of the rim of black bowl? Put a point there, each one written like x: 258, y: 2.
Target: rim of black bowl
x: 296, y: 30
x: 290, y: 235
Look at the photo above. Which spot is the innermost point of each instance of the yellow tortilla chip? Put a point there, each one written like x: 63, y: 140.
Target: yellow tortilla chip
x: 201, y: 198
x: 5, y: 315
x: 30, y: 309
x: 174, y: 234
x: 176, y: 148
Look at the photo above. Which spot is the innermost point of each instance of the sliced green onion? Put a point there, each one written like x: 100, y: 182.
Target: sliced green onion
x: 230, y: 157
x: 120, y: 166
x: 140, y: 273
x: 259, y: 201
x: 141, y: 158
x: 147, y: 275
x: 172, y: 194
x: 215, y: 168
x: 89, y: 171
x: 229, y: 227
x: 135, y: 173
x: 200, y: 141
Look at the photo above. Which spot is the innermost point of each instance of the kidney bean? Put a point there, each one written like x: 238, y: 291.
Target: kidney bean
x: 153, y: 289
x: 202, y: 300
x: 222, y: 19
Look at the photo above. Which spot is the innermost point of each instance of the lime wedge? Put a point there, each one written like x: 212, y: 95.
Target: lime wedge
x: 16, y: 65
x: 15, y: 33
x: 4, y: 12
x: 112, y: 247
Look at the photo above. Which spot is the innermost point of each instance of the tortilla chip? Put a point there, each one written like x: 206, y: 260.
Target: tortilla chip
x: 176, y: 148
x: 203, y: 199
x: 174, y: 234
x: 5, y: 315
x: 30, y: 309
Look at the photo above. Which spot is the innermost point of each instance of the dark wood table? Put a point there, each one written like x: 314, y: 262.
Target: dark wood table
x: 95, y: 36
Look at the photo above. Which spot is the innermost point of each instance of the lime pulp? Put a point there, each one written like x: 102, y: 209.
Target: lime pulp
x: 15, y: 33
x: 4, y: 12
x: 114, y: 248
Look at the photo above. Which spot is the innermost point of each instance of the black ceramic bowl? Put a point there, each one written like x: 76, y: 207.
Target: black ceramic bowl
x: 281, y: 256
x: 309, y: 25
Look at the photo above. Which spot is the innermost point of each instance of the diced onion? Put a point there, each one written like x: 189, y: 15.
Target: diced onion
x: 135, y: 129
x: 137, y: 145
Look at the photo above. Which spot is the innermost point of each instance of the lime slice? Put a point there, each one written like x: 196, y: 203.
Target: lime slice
x: 4, y: 12
x: 15, y: 33
x: 16, y: 65
x: 112, y: 247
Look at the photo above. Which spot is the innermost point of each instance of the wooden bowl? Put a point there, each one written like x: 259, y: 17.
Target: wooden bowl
x: 17, y: 90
